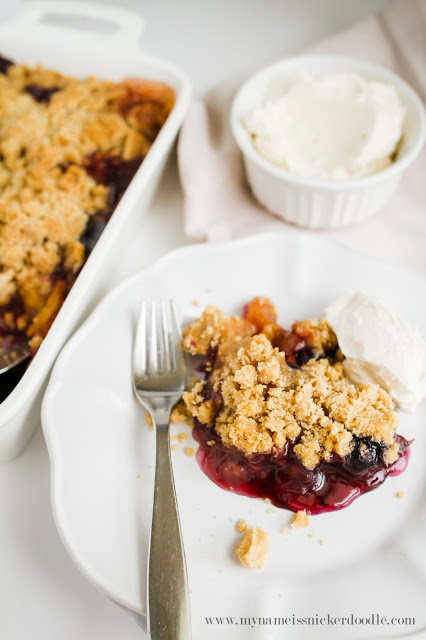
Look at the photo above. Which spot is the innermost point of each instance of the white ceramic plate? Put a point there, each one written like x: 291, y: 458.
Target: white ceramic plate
x: 102, y: 455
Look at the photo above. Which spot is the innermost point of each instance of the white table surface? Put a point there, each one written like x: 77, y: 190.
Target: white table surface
x: 42, y: 594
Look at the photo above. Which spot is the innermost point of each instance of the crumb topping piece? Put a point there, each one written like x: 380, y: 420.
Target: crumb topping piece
x: 214, y: 329
x: 259, y: 403
x: 318, y: 334
x: 300, y: 520
x: 253, y: 548
x: 181, y: 437
x: 391, y: 454
x: 180, y: 414
x: 241, y: 526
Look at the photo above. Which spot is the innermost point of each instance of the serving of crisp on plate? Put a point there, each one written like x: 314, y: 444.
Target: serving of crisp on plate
x: 103, y: 456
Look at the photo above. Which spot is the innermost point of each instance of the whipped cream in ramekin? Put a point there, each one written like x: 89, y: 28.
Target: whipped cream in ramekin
x: 379, y: 347
x: 337, y: 126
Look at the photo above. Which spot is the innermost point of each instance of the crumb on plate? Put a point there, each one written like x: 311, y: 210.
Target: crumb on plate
x: 241, y: 526
x: 253, y: 548
x: 300, y: 520
x: 181, y: 437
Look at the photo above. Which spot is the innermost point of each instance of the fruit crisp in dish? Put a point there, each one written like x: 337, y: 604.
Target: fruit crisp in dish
x: 68, y: 150
x: 276, y: 418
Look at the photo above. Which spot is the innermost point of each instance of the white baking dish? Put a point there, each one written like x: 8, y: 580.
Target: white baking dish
x: 31, y: 37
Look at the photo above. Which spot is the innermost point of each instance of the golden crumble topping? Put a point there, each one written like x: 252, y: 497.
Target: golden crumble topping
x: 253, y: 548
x: 241, y: 526
x: 392, y: 453
x: 260, y: 403
x: 50, y: 125
x: 179, y: 414
x: 215, y: 329
x: 318, y: 332
x: 300, y: 520
x: 181, y: 437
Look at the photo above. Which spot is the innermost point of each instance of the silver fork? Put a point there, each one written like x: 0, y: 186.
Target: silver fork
x: 158, y: 382
x: 10, y: 359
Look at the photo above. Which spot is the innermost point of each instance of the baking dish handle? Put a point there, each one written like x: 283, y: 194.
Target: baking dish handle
x: 128, y: 25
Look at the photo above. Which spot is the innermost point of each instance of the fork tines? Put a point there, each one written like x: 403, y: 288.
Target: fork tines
x: 157, y: 337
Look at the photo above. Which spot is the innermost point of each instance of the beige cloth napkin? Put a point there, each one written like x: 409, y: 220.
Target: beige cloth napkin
x: 218, y: 204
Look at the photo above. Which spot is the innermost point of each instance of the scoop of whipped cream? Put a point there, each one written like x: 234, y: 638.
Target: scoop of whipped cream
x: 379, y: 347
x: 332, y: 127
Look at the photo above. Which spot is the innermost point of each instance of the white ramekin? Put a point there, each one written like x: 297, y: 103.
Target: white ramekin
x: 316, y: 203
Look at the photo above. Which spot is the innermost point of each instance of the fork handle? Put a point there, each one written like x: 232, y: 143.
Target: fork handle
x: 168, y: 599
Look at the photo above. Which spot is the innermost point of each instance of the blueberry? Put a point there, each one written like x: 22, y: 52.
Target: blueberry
x: 366, y: 453
x: 41, y: 94
x: 93, y: 230
x: 5, y: 64
x: 304, y: 355
x: 112, y: 171
x: 293, y: 365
